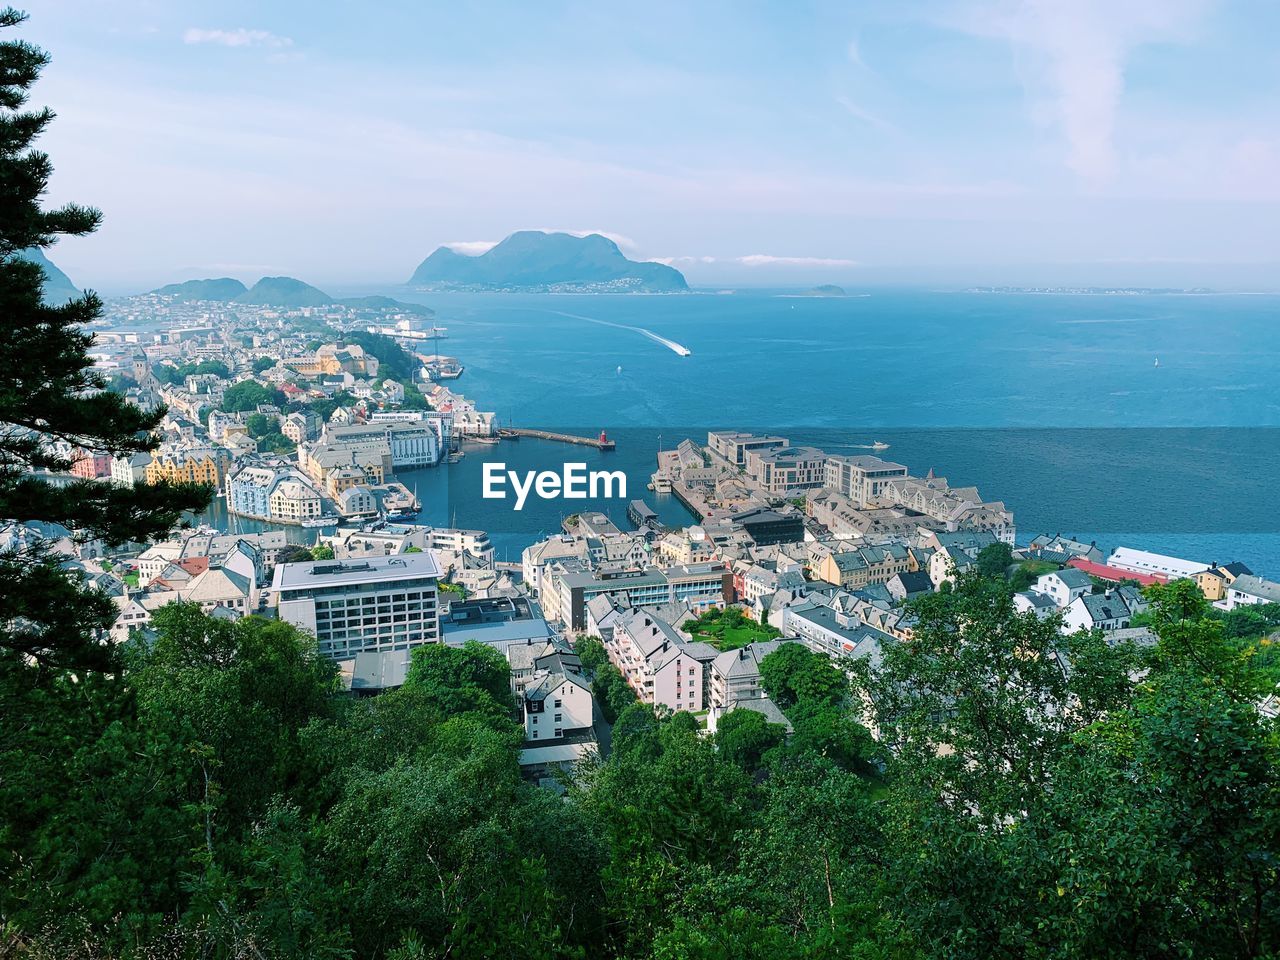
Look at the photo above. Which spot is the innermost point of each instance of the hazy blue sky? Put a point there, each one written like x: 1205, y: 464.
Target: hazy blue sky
x: 1081, y: 140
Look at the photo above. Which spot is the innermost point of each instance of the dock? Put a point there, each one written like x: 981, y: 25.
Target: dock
x: 601, y: 442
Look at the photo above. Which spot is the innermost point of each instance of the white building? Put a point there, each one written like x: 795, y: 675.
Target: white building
x: 373, y: 604
x: 557, y: 699
x: 1140, y: 561
x: 414, y: 444
x: 1113, y: 610
x: 129, y: 471
x: 1063, y: 586
x: 1248, y: 590
x: 294, y: 500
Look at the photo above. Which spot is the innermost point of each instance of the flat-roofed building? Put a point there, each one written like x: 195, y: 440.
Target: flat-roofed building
x: 1157, y: 564
x: 785, y: 469
x: 373, y: 604
x: 733, y: 446
x: 860, y: 478
x: 419, y: 443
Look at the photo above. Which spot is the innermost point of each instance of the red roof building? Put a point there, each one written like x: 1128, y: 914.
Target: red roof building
x: 1115, y: 574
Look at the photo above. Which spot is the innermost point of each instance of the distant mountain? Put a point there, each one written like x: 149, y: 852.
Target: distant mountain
x: 825, y: 290
x: 284, y: 292
x: 531, y: 259
x: 386, y: 303
x: 58, y: 288
x: 221, y: 288
x: 281, y: 292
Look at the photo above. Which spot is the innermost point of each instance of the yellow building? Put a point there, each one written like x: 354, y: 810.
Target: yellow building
x: 207, y: 465
x: 371, y: 457
x: 335, y: 358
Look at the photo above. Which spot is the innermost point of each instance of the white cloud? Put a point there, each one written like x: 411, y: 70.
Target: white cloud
x: 765, y: 260
x: 761, y: 260
x: 239, y: 37
x: 473, y: 248
x: 470, y: 248
x: 1073, y: 55
x: 861, y: 113
x: 625, y: 243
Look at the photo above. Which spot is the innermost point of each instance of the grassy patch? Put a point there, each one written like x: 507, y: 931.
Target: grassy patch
x: 729, y: 629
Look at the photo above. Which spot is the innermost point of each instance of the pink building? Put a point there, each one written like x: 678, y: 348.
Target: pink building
x: 657, y: 662
x: 91, y: 466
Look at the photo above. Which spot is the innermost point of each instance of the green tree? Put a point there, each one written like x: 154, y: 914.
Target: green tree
x: 320, y: 552
x: 249, y: 395
x: 745, y: 736
x: 294, y: 553
x: 260, y: 425
x: 49, y: 390
x: 472, y: 678
x: 793, y: 673
x: 215, y: 367
x: 994, y: 560
x: 276, y: 442
x: 263, y: 363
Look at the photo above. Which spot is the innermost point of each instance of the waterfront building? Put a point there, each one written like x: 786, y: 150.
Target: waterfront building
x: 357, y: 501
x: 861, y: 478
x: 272, y: 491
x: 1156, y: 564
x: 733, y: 446
x: 207, y: 465
x: 371, y: 456
x: 90, y: 465
x: 420, y: 443
x: 129, y: 470
x: 783, y: 470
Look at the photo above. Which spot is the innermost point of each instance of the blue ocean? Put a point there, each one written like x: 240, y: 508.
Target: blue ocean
x: 1146, y: 420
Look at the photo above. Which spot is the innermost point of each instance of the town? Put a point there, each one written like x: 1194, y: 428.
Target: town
x: 304, y: 417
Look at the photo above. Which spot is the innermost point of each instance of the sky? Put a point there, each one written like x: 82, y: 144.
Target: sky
x: 746, y: 143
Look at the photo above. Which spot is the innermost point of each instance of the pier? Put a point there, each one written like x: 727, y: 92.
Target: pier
x: 601, y: 442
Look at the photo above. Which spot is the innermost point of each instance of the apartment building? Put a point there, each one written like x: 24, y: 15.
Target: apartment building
x: 418, y: 443
x: 784, y: 470
x: 375, y: 604
x: 733, y: 446
x: 861, y: 479
x: 656, y: 661
x: 206, y: 465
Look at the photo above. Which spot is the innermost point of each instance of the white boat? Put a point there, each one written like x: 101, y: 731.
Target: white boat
x: 324, y: 521
x: 489, y: 440
x: 1157, y: 361
x: 879, y: 445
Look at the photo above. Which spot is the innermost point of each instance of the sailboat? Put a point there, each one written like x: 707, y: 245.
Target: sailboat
x: 1157, y: 361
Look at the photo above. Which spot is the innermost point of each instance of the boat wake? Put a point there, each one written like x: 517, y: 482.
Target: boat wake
x: 678, y: 349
